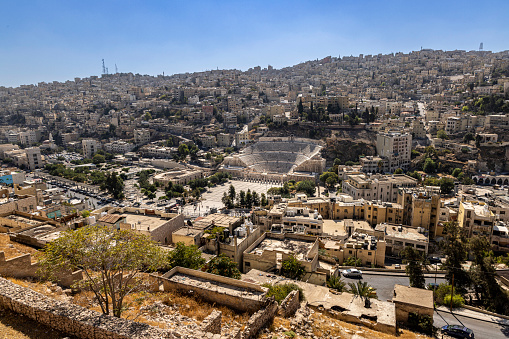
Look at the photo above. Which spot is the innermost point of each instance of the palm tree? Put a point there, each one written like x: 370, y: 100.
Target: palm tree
x: 336, y: 284
x: 362, y: 289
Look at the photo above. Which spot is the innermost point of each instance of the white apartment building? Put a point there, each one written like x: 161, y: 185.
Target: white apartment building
x: 30, y: 137
x: 34, y: 158
x: 118, y: 146
x: 396, y: 147
x: 90, y: 147
x: 141, y: 136
x: 376, y: 187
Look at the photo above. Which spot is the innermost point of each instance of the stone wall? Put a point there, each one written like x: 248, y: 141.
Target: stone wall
x: 212, y: 323
x: 233, y: 293
x: 259, y: 320
x: 290, y: 305
x: 22, y: 267
x: 72, y: 319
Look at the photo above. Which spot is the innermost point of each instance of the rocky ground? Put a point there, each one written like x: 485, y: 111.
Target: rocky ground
x: 311, y: 324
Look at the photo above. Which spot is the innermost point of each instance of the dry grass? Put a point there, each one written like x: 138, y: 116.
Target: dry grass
x: 13, y: 249
x: 189, y: 306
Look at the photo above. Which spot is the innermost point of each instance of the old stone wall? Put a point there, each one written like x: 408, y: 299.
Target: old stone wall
x: 22, y: 267
x: 212, y: 323
x: 259, y: 320
x: 290, y: 305
x: 72, y: 319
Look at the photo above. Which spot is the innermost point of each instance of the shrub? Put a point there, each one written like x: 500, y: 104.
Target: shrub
x: 280, y: 292
x: 420, y: 322
x: 457, y: 300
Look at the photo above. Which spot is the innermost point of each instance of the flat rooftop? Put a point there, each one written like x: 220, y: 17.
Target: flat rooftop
x: 413, y: 296
x: 334, y: 228
x: 299, y: 247
x: 188, y: 231
x: 406, y: 232
x: 218, y: 219
x: 142, y: 222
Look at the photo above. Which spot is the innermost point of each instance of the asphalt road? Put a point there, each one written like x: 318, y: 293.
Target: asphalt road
x: 384, y: 284
x: 482, y: 329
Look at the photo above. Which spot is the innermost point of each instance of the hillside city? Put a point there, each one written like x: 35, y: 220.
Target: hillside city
x: 345, y: 197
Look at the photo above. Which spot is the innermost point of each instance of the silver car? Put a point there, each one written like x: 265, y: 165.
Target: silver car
x: 352, y: 273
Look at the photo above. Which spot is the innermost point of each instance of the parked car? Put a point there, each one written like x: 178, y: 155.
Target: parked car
x: 352, y: 273
x: 397, y: 266
x: 458, y: 331
x: 435, y: 260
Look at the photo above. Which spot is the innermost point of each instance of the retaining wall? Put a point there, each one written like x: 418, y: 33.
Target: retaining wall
x: 290, y: 305
x: 73, y: 319
x: 22, y: 267
x: 259, y: 320
x: 212, y: 323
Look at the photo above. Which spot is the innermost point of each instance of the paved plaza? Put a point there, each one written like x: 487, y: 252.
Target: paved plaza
x: 212, y: 198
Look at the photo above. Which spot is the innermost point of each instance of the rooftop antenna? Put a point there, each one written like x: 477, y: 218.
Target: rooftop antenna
x: 104, y: 68
x: 481, y: 47
x: 107, y: 70
x: 116, y: 69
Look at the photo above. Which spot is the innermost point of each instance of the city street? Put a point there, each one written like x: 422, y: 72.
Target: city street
x: 482, y: 329
x: 384, y: 284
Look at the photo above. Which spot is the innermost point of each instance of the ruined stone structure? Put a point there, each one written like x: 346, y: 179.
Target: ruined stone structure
x: 277, y: 160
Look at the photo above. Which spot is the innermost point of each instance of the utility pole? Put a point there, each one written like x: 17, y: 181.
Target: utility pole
x: 452, y: 290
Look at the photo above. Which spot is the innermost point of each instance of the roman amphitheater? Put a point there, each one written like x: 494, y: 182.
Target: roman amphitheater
x: 277, y: 160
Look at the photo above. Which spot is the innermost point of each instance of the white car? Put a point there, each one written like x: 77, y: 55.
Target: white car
x: 352, y: 273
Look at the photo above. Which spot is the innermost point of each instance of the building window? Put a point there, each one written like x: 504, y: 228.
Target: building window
x: 247, y: 264
x: 370, y: 253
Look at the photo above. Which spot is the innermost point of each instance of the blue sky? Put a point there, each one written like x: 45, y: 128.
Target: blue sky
x: 59, y: 40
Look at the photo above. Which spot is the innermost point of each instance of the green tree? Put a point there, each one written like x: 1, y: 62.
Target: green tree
x: 256, y: 199
x: 183, y: 151
x: 281, y: 291
x: 336, y: 284
x: 331, y: 181
x: 456, y: 172
x: 398, y: 171
x: 249, y: 198
x: 185, y: 256
x: 446, y: 185
x: 114, y: 184
x: 227, y: 201
x: 483, y: 277
x: 111, y: 261
x: 429, y: 166
x: 441, y: 134
x: 306, y: 186
x: 231, y: 192
x: 455, y: 247
x: 222, y: 265
x: 300, y: 108
x: 468, y: 137
x: 414, y: 260
x: 292, y: 268
x: 361, y: 288
x: 263, y: 200
x: 98, y: 159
